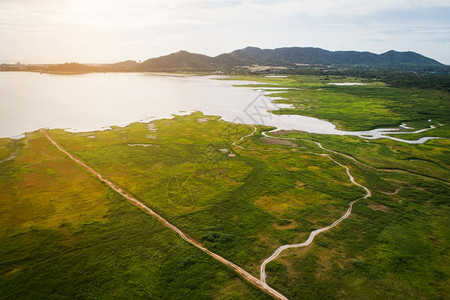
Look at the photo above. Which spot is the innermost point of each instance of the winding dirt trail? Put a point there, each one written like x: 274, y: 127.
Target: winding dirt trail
x: 244, y: 274
x: 374, y: 168
x: 260, y: 283
x: 393, y: 193
x: 358, y: 161
x: 313, y: 234
x: 12, y: 155
x: 245, y: 136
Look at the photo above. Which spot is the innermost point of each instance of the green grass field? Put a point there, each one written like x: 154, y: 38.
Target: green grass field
x: 361, y: 107
x: 64, y: 234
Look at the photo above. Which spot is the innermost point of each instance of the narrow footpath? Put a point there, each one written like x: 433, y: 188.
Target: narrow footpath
x: 244, y: 274
x: 313, y: 234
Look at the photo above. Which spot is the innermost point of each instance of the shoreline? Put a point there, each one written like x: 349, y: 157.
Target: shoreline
x: 233, y: 111
x: 382, y: 133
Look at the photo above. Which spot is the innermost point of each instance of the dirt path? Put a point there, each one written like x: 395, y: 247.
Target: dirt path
x: 374, y: 168
x: 360, y: 162
x: 244, y: 274
x: 245, y: 136
x: 313, y: 234
x: 393, y: 193
x: 13, y: 154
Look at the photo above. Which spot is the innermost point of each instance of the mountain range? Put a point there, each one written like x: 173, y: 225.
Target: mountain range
x: 244, y: 59
x: 286, y: 57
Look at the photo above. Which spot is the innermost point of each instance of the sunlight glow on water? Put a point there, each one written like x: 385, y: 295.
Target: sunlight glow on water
x: 87, y: 102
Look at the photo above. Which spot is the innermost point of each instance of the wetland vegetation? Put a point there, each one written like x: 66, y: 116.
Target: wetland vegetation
x: 64, y: 234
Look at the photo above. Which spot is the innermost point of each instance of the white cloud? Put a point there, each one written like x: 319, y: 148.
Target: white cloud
x: 102, y: 30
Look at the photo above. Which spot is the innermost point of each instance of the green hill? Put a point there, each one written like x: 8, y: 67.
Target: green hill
x: 292, y: 57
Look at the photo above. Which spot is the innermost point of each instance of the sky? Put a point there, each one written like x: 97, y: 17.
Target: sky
x: 102, y: 31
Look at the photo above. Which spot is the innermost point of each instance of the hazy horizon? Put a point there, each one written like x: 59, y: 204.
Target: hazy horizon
x: 12, y: 61
x: 103, y: 31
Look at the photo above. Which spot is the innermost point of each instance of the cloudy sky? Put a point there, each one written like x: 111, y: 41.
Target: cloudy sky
x: 55, y: 31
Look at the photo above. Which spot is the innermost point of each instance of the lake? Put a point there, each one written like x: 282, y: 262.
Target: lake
x: 86, y: 102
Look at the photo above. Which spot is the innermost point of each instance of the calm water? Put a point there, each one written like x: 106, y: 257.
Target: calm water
x: 29, y: 101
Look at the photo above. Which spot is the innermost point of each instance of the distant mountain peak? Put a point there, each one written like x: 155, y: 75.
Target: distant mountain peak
x: 287, y: 56
x: 318, y: 56
x: 251, y: 48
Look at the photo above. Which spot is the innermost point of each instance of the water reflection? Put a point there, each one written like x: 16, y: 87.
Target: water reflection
x: 89, y: 102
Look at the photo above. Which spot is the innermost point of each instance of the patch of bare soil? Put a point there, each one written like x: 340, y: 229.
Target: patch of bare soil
x: 283, y: 132
x: 278, y: 142
x: 378, y: 207
x: 202, y: 120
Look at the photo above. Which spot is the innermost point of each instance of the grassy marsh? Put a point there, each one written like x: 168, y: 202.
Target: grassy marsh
x: 63, y: 234
x: 66, y: 235
x: 359, y: 107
